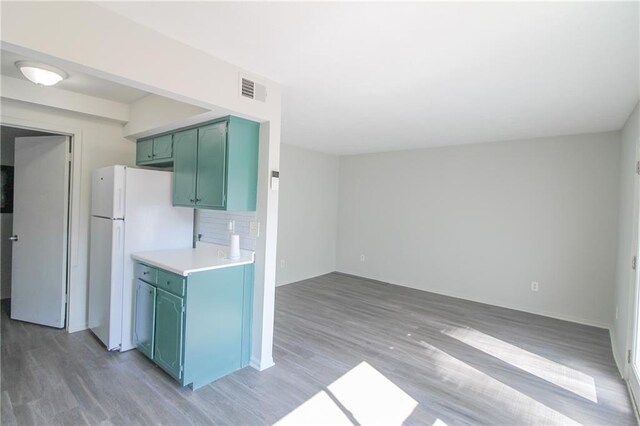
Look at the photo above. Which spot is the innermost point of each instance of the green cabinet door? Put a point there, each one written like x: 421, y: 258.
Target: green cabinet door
x: 144, y: 151
x: 145, y: 317
x: 185, y: 151
x: 212, y: 159
x: 162, y: 148
x: 169, y: 333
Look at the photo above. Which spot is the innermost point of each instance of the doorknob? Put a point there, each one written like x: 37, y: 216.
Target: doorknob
x: 13, y: 238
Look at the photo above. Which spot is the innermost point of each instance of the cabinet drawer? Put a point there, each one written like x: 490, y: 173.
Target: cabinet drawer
x: 146, y: 273
x: 171, y: 282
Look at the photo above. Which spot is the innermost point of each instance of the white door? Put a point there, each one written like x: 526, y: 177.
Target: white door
x: 39, y: 263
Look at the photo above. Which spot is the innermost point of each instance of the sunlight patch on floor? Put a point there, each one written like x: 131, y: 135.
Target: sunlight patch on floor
x: 565, y: 377
x: 319, y: 410
x: 362, y: 394
x: 371, y: 397
x: 486, y: 394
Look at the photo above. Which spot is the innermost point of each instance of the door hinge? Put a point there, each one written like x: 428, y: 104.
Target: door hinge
x: 634, y: 262
x: 629, y: 356
x: 638, y: 167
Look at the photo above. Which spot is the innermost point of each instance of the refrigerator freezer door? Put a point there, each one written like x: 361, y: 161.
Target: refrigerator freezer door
x: 105, y: 280
x: 107, y: 192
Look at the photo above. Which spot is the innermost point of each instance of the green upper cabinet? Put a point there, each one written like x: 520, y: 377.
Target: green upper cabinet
x: 156, y: 151
x: 163, y: 148
x: 212, y: 160
x: 242, y: 164
x: 144, y: 151
x: 184, y: 167
x: 221, y: 172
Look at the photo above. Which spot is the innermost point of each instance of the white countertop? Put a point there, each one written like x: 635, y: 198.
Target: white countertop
x: 188, y: 260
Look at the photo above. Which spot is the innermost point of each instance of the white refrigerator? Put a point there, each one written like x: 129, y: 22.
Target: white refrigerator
x: 131, y: 211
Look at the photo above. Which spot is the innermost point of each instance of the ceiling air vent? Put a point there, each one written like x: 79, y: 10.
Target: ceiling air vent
x: 248, y: 88
x: 252, y: 90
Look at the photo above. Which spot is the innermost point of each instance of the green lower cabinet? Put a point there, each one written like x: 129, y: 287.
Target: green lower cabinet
x: 204, y: 335
x: 167, y: 352
x: 145, y: 319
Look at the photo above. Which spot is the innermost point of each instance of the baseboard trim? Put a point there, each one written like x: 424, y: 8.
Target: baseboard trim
x: 560, y: 317
x: 304, y: 279
x: 616, y: 356
x: 76, y: 328
x: 259, y: 364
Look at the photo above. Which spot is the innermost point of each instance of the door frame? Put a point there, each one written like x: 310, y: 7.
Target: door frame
x: 630, y: 373
x: 73, y: 220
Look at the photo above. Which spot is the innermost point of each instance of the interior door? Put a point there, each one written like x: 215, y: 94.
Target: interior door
x: 39, y: 263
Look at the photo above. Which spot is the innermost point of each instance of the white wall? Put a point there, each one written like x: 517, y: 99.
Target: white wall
x: 7, y: 150
x: 307, y: 223
x: 627, y: 237
x: 481, y: 222
x: 102, y: 144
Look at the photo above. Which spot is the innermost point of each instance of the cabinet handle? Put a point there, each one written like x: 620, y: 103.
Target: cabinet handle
x: 192, y: 200
x: 198, y: 200
x: 168, y: 282
x: 149, y: 156
x: 145, y: 273
x: 150, y: 291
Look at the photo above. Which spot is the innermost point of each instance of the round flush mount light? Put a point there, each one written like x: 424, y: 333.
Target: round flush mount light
x: 41, y: 74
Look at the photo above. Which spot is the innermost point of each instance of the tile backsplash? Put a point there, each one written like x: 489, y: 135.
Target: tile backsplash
x: 212, y: 224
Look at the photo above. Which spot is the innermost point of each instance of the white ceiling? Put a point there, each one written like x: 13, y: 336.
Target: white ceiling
x: 364, y: 77
x: 77, y: 82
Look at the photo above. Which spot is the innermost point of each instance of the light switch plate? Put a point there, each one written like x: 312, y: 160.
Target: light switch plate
x: 254, y: 229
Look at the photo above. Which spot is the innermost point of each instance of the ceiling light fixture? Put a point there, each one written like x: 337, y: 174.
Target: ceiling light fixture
x: 41, y: 74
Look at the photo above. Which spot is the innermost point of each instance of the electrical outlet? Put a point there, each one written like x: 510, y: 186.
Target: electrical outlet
x: 362, y: 258
x: 254, y: 229
x: 282, y: 263
x: 534, y: 286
